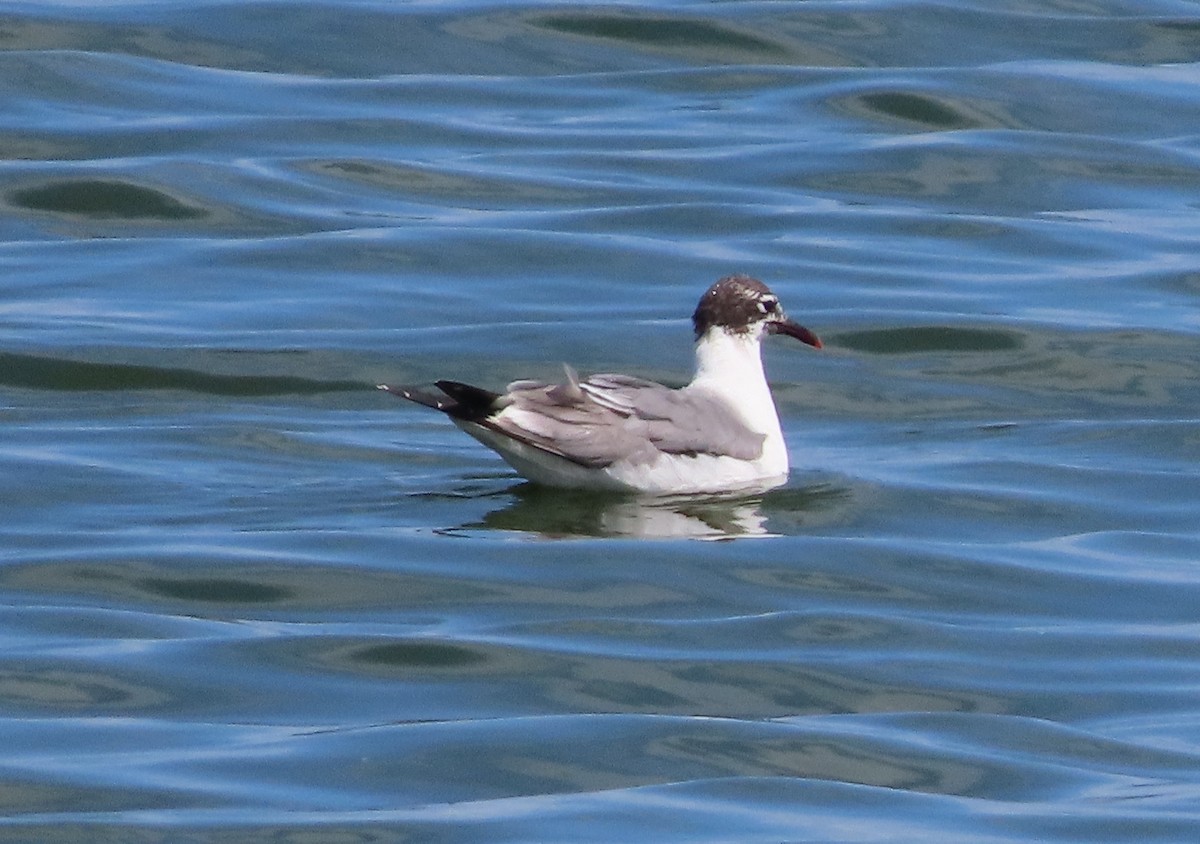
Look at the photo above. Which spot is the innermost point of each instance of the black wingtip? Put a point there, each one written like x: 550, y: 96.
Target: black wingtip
x: 469, y: 402
x: 461, y: 401
x: 415, y: 395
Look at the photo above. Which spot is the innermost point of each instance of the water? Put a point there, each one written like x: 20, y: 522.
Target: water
x: 245, y: 597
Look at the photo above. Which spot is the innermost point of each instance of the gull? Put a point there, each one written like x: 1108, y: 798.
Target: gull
x: 718, y: 434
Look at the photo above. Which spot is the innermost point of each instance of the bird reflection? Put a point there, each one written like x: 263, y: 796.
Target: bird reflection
x: 554, y: 513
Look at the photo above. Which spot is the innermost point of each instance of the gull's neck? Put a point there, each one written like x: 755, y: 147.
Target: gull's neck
x: 730, y: 362
x: 730, y: 365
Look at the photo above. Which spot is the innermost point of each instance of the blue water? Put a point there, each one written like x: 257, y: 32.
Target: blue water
x: 245, y: 597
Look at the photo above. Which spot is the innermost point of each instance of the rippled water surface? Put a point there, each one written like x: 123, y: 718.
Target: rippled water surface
x: 244, y: 596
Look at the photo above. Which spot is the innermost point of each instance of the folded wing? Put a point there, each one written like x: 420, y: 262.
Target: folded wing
x: 609, y: 418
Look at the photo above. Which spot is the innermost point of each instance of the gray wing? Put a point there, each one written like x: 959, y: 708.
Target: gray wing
x: 607, y: 418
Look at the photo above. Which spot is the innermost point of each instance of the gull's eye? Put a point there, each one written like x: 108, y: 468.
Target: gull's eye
x: 768, y: 306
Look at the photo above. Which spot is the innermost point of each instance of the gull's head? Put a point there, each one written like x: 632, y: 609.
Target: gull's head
x: 744, y: 306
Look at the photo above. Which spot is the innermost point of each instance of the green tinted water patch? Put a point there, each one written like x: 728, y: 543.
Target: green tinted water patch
x: 215, y: 590
x: 925, y: 112
x: 933, y: 338
x: 415, y: 654
x: 660, y: 33
x: 50, y: 373
x: 104, y: 199
x: 440, y: 183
